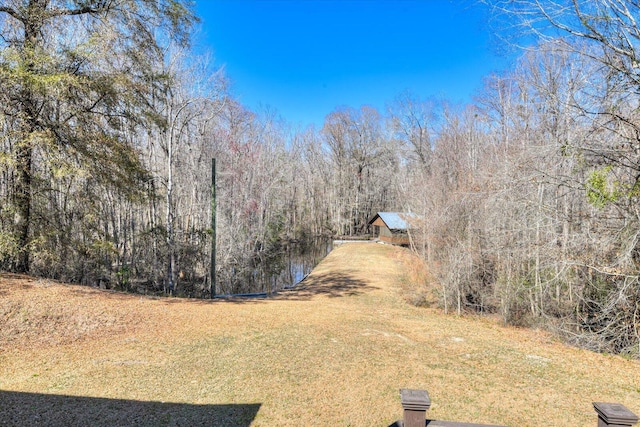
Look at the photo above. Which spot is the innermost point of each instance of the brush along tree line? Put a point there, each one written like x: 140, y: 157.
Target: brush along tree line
x: 528, y: 195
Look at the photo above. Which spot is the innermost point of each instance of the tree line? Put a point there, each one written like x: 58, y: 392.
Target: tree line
x: 528, y: 196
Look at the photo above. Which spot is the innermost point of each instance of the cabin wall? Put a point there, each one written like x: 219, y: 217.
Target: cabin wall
x: 394, y: 237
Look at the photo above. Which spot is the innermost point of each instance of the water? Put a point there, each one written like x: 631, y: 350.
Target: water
x: 280, y: 270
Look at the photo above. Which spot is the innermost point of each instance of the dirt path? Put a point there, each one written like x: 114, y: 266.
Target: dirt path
x: 334, y: 351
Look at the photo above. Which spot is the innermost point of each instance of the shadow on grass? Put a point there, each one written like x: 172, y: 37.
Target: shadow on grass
x: 332, y: 284
x: 34, y: 409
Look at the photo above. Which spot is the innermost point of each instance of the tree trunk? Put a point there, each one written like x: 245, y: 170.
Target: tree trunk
x: 23, y: 204
x: 24, y: 155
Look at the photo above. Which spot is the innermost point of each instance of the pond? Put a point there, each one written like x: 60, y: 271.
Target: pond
x: 280, y: 270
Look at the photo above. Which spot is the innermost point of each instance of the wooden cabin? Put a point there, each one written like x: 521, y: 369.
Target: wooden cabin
x: 393, y: 227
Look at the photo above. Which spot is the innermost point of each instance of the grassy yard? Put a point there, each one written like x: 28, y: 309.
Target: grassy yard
x: 334, y: 352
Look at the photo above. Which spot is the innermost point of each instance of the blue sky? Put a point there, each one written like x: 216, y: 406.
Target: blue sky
x: 304, y: 58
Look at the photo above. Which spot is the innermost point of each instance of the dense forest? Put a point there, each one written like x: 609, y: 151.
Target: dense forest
x: 528, y: 196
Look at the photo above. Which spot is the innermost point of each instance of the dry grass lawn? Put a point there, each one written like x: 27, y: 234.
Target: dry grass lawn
x: 334, y: 352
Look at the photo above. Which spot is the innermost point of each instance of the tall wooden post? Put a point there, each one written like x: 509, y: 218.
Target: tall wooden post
x: 213, y: 228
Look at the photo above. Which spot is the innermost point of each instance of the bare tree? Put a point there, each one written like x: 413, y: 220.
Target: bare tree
x: 356, y: 144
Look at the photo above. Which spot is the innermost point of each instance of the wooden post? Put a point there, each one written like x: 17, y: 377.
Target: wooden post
x: 614, y: 415
x: 415, y: 404
x: 213, y: 229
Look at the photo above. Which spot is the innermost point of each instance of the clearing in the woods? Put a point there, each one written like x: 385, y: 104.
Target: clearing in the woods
x: 334, y: 351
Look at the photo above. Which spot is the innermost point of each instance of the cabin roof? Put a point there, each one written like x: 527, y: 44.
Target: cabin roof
x: 395, y: 220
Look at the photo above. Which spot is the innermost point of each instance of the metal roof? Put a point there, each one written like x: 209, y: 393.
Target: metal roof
x: 397, y: 220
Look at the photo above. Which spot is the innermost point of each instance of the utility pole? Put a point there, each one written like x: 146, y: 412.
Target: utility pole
x: 213, y: 229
